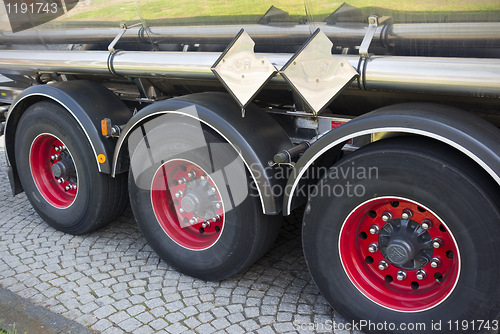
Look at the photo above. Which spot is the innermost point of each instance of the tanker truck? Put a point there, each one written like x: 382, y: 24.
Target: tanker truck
x: 215, y: 119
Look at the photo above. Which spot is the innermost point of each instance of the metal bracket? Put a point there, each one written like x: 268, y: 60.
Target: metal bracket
x: 365, y: 44
x: 111, y: 46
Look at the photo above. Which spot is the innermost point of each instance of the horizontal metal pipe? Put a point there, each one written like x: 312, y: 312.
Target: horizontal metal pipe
x: 455, y: 76
x: 478, y: 34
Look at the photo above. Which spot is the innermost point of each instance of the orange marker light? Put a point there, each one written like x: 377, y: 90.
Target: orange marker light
x: 101, y: 158
x: 105, y: 127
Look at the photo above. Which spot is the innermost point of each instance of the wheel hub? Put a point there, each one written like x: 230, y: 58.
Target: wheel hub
x: 187, y: 204
x: 399, y: 254
x: 405, y: 244
x: 53, y: 171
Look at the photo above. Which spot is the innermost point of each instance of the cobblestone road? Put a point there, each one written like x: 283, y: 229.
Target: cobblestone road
x: 112, y: 281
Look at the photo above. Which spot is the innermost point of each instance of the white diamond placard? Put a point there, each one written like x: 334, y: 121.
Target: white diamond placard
x: 241, y: 71
x: 315, y: 74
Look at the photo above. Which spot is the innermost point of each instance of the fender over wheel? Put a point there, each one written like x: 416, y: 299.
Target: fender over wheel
x: 59, y: 174
x: 193, y: 199
x: 404, y: 231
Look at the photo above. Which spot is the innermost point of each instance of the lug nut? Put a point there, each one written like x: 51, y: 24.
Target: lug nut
x: 203, y: 177
x: 68, y: 187
x: 407, y: 214
x: 401, y: 276
x: 57, y: 148
x: 435, y: 262
x: 421, y: 274
x: 386, y: 216
x: 193, y: 221
x: 192, y: 174
x: 437, y: 242
x: 54, y: 157
x: 372, y: 248
x: 383, y: 265
x: 426, y: 224
x: 182, y: 180
x: 206, y: 224
x: 73, y: 186
x: 218, y: 205
x: 179, y: 194
x: 60, y: 180
x: 374, y: 229
x: 216, y: 218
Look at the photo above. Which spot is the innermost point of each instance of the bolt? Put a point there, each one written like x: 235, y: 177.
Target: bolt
x: 407, y: 214
x: 218, y: 205
x: 372, y: 248
x: 216, y: 219
x: 386, y: 216
x: 426, y: 224
x: 182, y: 180
x: 54, y: 157
x: 68, y: 187
x: 193, y: 220
x: 435, y: 262
x: 73, y: 186
x: 383, y: 265
x: 374, y: 229
x: 437, y: 242
x: 57, y: 148
x: 421, y: 274
x: 61, y: 180
x: 181, y: 210
x: 203, y: 177
x: 206, y: 224
x: 213, y: 189
x: 192, y: 174
x: 179, y: 194
x: 401, y: 275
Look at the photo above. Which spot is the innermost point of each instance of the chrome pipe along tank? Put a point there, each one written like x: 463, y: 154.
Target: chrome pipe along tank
x: 449, y: 76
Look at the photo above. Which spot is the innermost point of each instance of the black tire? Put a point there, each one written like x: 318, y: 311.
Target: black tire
x: 247, y: 234
x: 441, y: 179
x: 100, y: 198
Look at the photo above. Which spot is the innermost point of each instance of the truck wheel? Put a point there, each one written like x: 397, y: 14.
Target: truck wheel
x: 405, y: 231
x: 59, y: 174
x: 193, y: 200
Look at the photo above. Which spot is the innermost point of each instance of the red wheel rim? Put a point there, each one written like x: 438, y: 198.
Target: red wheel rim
x: 187, y: 204
x: 47, y: 150
x: 383, y: 286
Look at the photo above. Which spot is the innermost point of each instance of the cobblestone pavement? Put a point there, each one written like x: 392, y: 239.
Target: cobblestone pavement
x: 112, y: 281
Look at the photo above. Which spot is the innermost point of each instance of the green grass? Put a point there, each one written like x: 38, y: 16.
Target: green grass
x: 115, y: 10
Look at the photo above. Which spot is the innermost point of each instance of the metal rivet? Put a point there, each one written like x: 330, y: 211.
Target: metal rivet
x: 374, y: 229
x: 386, y: 216
x: 435, y: 262
x: 383, y: 265
x: 372, y: 248
x: 437, y: 242
x: 421, y: 274
x: 426, y: 224
x: 407, y: 214
x: 179, y: 194
x: 401, y: 276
